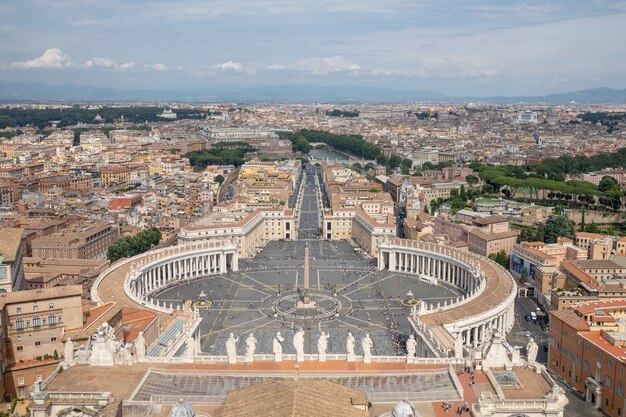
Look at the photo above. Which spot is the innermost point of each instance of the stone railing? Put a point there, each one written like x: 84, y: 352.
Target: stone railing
x: 331, y: 357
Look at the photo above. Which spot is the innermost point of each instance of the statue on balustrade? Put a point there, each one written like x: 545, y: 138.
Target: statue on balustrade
x: 68, y: 352
x: 322, y: 346
x: 140, y: 346
x: 298, y: 344
x: 411, y: 347
x: 531, y: 351
x: 250, y: 347
x: 367, y: 344
x: 350, y: 342
x: 277, y: 347
x: 231, y: 348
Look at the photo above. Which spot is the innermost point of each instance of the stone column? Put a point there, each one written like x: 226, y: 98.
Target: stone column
x: 235, y: 261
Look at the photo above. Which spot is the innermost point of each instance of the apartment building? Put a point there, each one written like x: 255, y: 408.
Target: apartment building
x: 251, y: 227
x: 83, y: 241
x: 537, y: 262
x: 11, y: 254
x: 32, y: 323
x: 588, y: 351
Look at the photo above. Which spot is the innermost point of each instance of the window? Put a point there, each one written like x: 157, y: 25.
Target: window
x: 35, y: 308
x: 38, y: 378
x: 51, y: 306
x: 608, y: 381
x: 37, y: 343
x: 20, y: 381
x: 36, y: 321
x: 20, y: 392
x: 620, y: 390
x: 53, y: 339
x: 586, y: 366
x: 19, y: 310
x: 52, y: 319
x: 20, y: 348
x: 19, y: 324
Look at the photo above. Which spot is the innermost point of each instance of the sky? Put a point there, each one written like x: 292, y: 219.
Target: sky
x: 457, y: 47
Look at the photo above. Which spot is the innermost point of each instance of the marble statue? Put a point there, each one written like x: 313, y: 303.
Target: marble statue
x: 190, y: 352
x: 140, y: 346
x: 367, y: 346
x: 350, y: 342
x: 110, y: 340
x: 458, y: 346
x: 250, y: 347
x: 231, y: 348
x: 411, y: 347
x: 68, y: 352
x: 531, y: 351
x: 124, y: 356
x: 102, y: 352
x: 83, y: 355
x: 298, y: 345
x: 322, y: 345
x: 277, y: 347
x: 36, y: 387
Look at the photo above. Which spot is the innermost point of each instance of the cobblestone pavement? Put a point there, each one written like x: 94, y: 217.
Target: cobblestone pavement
x: 369, y: 299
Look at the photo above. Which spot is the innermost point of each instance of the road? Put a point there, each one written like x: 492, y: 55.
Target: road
x: 309, y: 220
x: 517, y: 336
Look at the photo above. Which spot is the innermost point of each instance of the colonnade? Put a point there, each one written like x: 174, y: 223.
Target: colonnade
x: 466, y: 271
x: 443, y: 267
x: 180, y: 267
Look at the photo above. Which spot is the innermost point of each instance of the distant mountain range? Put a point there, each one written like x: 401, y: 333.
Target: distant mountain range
x: 34, y: 92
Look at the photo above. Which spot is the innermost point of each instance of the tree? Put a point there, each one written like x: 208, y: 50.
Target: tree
x: 219, y: 178
x: 608, y: 184
x: 462, y: 193
x: 558, y: 226
x: 502, y: 258
x: 471, y: 180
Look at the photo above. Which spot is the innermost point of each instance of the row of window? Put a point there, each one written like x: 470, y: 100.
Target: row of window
x: 52, y: 320
x: 35, y: 308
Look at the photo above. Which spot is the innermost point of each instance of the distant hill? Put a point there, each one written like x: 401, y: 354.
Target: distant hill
x: 35, y: 92
x: 601, y: 95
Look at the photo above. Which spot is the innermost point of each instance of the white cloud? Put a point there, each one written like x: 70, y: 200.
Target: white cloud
x: 275, y: 67
x: 228, y: 66
x: 107, y: 63
x: 326, y: 65
x: 160, y: 67
x: 100, y: 62
x: 52, y: 58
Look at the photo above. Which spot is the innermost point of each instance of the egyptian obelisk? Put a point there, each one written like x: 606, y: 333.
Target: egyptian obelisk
x: 306, y: 299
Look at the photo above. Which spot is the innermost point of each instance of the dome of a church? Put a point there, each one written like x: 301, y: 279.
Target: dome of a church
x: 404, y: 408
x: 182, y: 409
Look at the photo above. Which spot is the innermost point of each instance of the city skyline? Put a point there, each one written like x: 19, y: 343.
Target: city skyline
x: 459, y: 49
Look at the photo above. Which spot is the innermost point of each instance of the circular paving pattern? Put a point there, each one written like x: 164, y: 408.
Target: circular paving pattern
x: 262, y: 297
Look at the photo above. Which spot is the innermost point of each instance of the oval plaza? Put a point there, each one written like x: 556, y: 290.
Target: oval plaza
x: 318, y: 300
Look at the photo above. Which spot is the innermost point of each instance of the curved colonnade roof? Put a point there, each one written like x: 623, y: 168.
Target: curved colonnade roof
x: 498, y: 285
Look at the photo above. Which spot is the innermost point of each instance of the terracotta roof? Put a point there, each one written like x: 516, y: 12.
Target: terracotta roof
x: 589, y: 235
x: 494, y: 236
x: 303, y: 398
x: 593, y: 306
x: 571, y: 318
x: 40, y: 294
x: 598, y: 264
x: 574, y: 271
x: 10, y: 241
x: 490, y: 220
